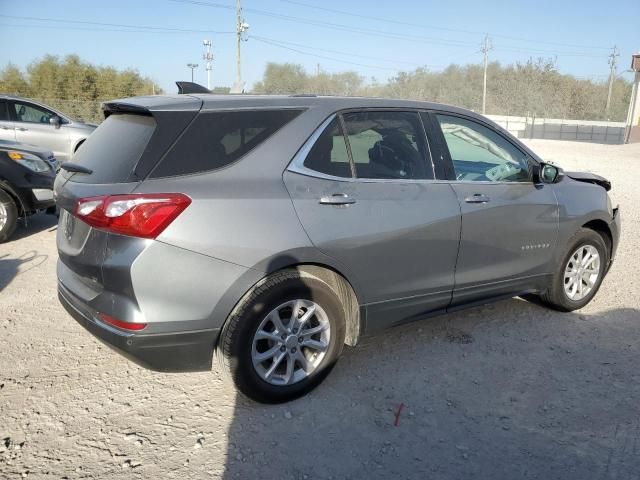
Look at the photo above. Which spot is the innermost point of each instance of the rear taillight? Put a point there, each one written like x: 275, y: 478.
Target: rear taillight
x: 121, y: 324
x: 143, y: 215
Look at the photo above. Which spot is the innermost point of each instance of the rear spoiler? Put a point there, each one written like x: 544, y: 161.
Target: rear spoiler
x: 185, y: 88
x: 118, y: 107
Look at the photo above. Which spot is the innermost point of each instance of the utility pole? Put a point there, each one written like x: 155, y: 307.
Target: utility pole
x: 241, y: 27
x: 486, y: 46
x: 613, y: 61
x: 192, y: 66
x: 208, y: 57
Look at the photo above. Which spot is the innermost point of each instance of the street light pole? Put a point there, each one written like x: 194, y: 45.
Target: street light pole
x: 192, y: 66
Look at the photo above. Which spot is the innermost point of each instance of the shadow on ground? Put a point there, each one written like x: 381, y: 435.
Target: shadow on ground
x: 34, y: 224
x: 510, y: 390
x: 13, y: 265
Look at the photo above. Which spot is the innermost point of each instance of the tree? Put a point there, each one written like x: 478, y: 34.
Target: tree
x: 73, y: 86
x: 533, y: 87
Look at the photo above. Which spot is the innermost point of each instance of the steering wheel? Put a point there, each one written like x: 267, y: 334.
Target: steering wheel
x: 501, y: 172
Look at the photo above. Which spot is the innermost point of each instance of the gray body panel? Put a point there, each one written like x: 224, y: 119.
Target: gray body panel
x: 510, y: 239
x: 399, y: 239
x: 409, y: 249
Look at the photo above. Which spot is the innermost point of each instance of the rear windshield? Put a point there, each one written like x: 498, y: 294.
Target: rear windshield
x: 114, y: 148
x: 216, y: 139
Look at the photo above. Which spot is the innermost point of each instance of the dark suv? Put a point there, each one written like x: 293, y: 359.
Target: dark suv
x: 27, y: 173
x: 273, y: 230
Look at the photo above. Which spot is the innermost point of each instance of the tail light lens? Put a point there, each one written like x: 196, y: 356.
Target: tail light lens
x: 143, y: 215
x: 121, y: 324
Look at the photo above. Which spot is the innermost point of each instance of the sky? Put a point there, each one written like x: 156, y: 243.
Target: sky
x: 374, y: 38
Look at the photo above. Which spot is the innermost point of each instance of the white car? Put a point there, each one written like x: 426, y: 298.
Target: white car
x: 25, y: 121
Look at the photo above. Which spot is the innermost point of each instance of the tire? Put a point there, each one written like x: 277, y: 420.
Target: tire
x: 237, y: 347
x: 556, y: 296
x: 8, y: 216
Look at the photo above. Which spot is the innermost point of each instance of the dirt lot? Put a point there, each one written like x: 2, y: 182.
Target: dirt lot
x: 510, y: 390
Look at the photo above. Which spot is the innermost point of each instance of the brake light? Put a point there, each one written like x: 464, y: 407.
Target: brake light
x: 121, y: 324
x: 143, y: 215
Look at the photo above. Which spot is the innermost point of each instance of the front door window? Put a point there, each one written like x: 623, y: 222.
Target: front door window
x: 29, y: 113
x: 480, y: 154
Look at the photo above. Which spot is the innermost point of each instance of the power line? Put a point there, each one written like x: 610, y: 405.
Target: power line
x: 373, y: 32
x: 279, y: 45
x: 137, y: 27
x: 90, y: 29
x: 434, y: 27
x: 338, y: 52
x: 334, y: 26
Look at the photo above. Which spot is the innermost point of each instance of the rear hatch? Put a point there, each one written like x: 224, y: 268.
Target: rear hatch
x: 119, y: 154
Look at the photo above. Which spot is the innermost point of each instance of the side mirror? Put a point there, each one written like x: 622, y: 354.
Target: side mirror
x: 548, y: 173
x: 55, y: 121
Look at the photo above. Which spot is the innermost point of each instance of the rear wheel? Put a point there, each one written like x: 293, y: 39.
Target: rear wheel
x: 283, y: 338
x: 8, y: 216
x: 581, y: 273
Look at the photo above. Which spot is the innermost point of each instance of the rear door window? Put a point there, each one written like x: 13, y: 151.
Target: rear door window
x: 114, y: 148
x: 329, y: 153
x: 217, y: 139
x: 388, y: 145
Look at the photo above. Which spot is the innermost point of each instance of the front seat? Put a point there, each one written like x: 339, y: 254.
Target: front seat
x: 395, y: 156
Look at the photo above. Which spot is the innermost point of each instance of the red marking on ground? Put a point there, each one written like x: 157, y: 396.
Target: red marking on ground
x: 397, y: 421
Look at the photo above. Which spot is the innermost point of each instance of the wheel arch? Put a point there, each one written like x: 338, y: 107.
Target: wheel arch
x: 355, y: 316
x: 602, y: 228
x: 78, y: 143
x: 8, y: 189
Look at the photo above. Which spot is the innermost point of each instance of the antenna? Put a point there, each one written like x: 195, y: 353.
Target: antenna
x: 208, y: 57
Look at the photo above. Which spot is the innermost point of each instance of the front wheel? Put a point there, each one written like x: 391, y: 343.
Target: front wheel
x: 8, y: 216
x: 581, y: 273
x: 283, y: 338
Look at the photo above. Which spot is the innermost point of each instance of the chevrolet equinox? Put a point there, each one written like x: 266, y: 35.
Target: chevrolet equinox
x: 269, y: 231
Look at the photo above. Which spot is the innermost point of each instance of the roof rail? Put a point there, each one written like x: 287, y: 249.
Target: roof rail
x: 185, y: 88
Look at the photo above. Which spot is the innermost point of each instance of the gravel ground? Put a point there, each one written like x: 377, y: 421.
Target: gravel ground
x: 510, y: 390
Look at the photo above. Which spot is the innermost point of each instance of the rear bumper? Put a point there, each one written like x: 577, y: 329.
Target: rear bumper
x: 184, y: 351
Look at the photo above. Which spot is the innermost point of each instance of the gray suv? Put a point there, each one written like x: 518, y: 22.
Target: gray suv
x: 26, y: 121
x: 270, y: 231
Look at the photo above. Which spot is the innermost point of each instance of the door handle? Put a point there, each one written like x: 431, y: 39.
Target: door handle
x: 477, y: 198
x: 5, y: 128
x: 22, y: 129
x: 337, y: 199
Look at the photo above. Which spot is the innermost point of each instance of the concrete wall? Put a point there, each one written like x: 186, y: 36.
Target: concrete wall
x: 559, y: 129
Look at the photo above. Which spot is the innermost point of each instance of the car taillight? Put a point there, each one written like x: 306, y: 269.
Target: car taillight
x: 143, y: 215
x: 120, y: 324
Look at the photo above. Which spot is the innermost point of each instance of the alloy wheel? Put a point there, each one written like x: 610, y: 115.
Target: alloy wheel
x: 3, y: 216
x: 291, y: 342
x: 581, y: 272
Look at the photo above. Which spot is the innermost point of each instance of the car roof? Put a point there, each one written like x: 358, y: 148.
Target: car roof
x: 207, y: 102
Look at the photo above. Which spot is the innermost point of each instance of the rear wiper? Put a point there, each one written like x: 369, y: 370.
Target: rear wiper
x: 74, y: 167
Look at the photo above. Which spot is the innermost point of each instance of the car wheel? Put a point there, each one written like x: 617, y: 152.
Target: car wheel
x: 283, y: 338
x: 581, y: 272
x: 8, y: 216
